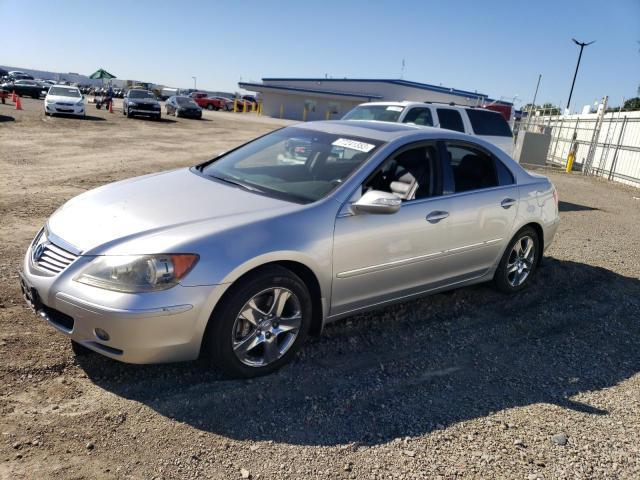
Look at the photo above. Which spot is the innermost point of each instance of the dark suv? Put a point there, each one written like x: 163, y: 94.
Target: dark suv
x: 140, y: 102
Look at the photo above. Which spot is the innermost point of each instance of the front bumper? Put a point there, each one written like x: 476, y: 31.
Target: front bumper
x: 64, y: 109
x: 153, y: 327
x: 139, y: 111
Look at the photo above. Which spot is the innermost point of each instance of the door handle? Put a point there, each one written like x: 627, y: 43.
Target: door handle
x: 507, y: 202
x: 435, y: 217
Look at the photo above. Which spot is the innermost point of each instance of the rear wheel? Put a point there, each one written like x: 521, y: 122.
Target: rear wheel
x: 519, y: 261
x: 260, y: 325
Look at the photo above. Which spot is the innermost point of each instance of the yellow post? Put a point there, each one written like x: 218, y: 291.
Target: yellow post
x: 326, y: 117
x: 304, y: 114
x: 281, y: 110
x: 570, y: 159
x: 260, y: 108
x: 235, y: 105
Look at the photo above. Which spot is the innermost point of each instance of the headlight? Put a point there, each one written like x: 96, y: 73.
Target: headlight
x: 80, y: 103
x: 137, y: 273
x: 133, y: 104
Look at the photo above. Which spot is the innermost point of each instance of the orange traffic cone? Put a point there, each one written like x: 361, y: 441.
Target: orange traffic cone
x: 111, y: 106
x: 13, y: 96
x: 18, y: 103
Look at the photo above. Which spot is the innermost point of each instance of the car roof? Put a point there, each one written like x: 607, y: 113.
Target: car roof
x: 407, y: 103
x: 376, y: 130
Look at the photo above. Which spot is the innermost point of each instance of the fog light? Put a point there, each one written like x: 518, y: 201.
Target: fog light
x: 101, y: 334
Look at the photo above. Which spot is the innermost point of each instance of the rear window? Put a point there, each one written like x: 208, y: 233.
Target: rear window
x: 382, y: 113
x: 485, y: 122
x: 450, y: 119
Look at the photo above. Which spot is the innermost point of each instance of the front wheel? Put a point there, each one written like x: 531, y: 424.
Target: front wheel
x: 260, y: 325
x: 519, y: 261
x: 210, y: 107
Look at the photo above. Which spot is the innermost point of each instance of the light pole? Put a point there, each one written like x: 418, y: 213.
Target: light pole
x: 581, y: 45
x: 194, y: 83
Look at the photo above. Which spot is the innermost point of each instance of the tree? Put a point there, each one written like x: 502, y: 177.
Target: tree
x: 632, y: 104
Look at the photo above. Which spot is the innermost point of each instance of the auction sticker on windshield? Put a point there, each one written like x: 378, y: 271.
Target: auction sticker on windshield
x: 394, y: 109
x: 353, y: 144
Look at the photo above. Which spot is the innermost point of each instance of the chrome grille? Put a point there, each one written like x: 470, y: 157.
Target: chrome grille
x: 50, y: 257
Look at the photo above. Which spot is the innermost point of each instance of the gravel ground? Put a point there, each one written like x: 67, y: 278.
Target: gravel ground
x: 469, y: 384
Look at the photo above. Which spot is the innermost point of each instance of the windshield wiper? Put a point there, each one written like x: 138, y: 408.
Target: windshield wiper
x: 237, y: 183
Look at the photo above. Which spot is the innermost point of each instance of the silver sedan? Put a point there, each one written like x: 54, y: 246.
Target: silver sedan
x: 244, y: 256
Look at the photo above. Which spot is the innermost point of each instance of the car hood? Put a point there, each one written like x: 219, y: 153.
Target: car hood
x: 62, y: 98
x: 167, y: 203
x: 142, y: 100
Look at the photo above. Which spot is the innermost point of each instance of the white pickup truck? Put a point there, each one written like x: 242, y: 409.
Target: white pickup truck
x: 486, y: 124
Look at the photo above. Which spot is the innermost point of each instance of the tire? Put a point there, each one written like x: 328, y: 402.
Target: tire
x: 508, y: 280
x: 210, y: 107
x: 80, y: 350
x: 227, y: 328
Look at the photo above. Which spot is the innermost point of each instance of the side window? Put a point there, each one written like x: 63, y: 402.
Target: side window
x: 409, y: 174
x: 419, y: 116
x: 472, y: 168
x: 450, y: 119
x: 486, y: 122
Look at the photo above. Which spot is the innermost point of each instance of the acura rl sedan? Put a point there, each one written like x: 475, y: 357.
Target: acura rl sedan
x: 242, y: 257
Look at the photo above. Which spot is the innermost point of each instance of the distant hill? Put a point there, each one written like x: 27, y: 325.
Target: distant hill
x: 57, y: 76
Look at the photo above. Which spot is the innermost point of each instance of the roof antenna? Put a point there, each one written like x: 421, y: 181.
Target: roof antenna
x: 402, y: 70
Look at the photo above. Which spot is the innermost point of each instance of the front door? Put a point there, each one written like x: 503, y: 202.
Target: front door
x: 379, y: 257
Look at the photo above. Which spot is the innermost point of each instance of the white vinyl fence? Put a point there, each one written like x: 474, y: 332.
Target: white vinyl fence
x: 606, y: 145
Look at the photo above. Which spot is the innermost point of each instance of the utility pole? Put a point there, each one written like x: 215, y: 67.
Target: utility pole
x: 533, y: 104
x: 581, y: 45
x: 194, y: 83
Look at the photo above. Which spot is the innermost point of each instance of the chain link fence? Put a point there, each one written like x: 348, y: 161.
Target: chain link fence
x: 606, y: 145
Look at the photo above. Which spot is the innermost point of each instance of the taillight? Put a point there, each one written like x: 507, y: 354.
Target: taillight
x: 555, y: 196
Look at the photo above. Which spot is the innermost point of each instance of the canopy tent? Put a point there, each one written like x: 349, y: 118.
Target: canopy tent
x: 101, y: 74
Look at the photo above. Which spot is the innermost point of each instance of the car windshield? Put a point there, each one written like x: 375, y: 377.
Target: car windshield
x: 382, y: 113
x: 186, y: 102
x: 295, y: 164
x: 65, y: 92
x: 140, y: 94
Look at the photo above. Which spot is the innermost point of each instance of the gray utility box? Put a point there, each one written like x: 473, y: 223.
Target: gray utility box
x: 532, y: 148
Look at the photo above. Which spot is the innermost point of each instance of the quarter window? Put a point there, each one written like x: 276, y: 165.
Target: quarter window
x: 419, y: 116
x: 450, y: 119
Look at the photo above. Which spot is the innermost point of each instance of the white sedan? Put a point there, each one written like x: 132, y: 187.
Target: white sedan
x: 65, y: 100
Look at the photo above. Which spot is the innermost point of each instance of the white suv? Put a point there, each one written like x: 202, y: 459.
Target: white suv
x: 486, y: 124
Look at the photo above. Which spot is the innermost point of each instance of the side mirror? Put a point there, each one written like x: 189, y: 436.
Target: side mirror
x: 376, y: 201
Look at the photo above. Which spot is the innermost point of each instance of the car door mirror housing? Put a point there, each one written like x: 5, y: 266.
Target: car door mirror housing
x: 376, y: 201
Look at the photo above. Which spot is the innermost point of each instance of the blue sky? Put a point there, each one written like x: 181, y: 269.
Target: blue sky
x: 494, y: 47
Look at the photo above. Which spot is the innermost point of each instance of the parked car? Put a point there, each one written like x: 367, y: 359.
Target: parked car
x: 210, y: 103
x: 24, y: 88
x: 243, y: 256
x: 182, y: 106
x: 18, y: 75
x: 486, y: 124
x: 65, y: 100
x: 227, y: 103
x: 140, y: 102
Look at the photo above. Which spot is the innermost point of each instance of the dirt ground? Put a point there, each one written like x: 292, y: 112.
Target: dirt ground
x: 469, y: 384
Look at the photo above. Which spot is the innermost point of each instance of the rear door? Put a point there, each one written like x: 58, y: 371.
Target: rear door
x: 483, y: 206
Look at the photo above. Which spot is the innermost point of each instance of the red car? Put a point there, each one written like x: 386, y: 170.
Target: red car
x: 204, y: 101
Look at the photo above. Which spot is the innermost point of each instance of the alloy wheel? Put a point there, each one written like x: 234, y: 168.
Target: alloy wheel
x: 520, y: 261
x: 266, y: 327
